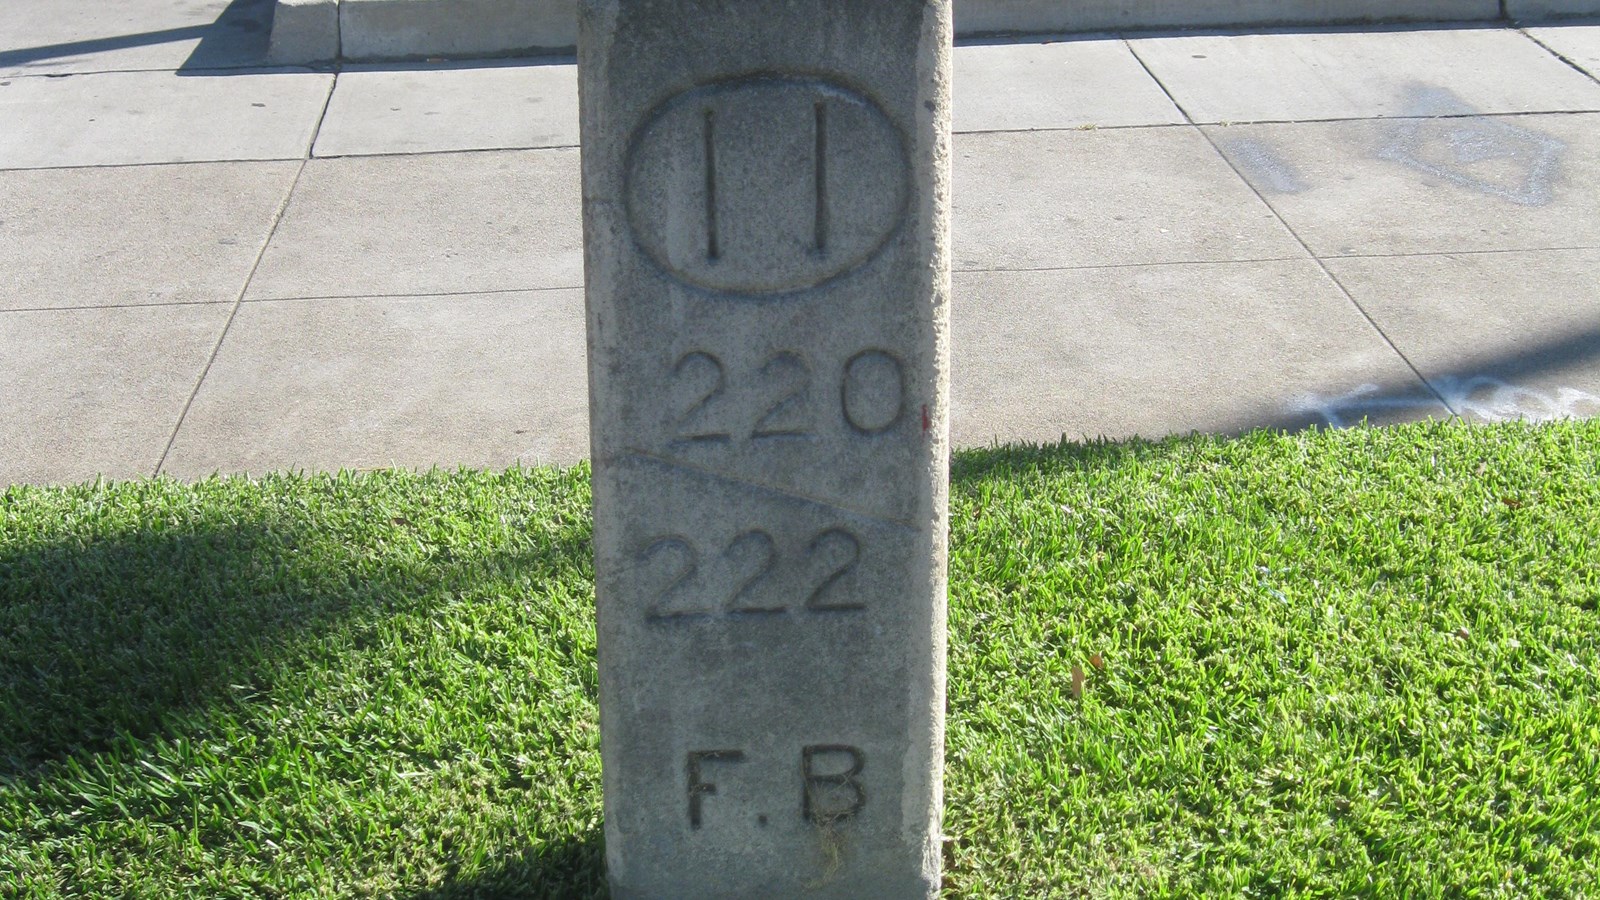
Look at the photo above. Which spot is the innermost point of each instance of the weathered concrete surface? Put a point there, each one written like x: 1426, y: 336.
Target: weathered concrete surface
x: 1105, y: 197
x: 135, y: 235
x: 1375, y: 188
x: 450, y: 107
x: 122, y: 118
x: 978, y: 16
x: 62, y: 36
x: 766, y: 203
x: 1494, y: 347
x: 304, y: 31
x: 92, y: 392
x: 1067, y: 84
x: 1348, y: 75
x: 1151, y: 350
x: 479, y: 379
x: 392, y: 29
x: 1443, y: 182
x: 1579, y: 44
x: 1542, y: 10
x: 400, y: 29
x: 435, y: 224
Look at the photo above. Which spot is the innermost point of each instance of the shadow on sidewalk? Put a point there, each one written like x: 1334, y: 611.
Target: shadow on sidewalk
x: 237, y: 39
x: 237, y: 42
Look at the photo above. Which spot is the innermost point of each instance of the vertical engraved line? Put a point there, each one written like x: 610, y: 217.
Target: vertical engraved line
x: 820, y: 238
x: 712, y: 250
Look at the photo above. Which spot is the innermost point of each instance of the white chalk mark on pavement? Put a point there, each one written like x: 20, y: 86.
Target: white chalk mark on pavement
x: 1487, y: 155
x: 1480, y: 396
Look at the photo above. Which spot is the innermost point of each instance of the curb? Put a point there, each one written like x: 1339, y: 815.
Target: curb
x: 304, y: 31
x: 322, y: 31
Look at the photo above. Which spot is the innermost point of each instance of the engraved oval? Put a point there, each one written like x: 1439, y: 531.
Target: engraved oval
x: 766, y: 184
x: 873, y: 393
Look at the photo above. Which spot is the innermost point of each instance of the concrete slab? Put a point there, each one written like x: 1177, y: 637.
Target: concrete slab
x: 531, y: 103
x: 304, y: 31
x: 1543, y: 10
x: 124, y: 118
x: 96, y: 36
x: 483, y: 380
x: 412, y: 29
x: 1500, y: 335
x: 416, y: 29
x: 1063, y: 84
x: 93, y: 392
x: 1428, y: 185
x: 1156, y: 350
x: 1058, y: 199
x: 980, y: 16
x: 1578, y: 44
x: 1347, y: 74
x: 135, y: 235
x: 442, y: 223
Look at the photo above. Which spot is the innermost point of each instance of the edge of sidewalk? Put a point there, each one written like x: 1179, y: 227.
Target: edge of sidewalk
x: 322, y: 31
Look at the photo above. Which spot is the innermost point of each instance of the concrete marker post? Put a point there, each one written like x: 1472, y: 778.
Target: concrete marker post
x: 766, y: 213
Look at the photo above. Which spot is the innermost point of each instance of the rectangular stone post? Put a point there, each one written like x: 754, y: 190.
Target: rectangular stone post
x: 766, y: 222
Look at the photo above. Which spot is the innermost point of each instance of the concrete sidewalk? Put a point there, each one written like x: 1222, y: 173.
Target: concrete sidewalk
x: 314, y: 31
x: 211, y: 266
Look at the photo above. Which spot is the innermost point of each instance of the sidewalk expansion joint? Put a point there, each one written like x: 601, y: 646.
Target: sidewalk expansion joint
x: 1571, y: 63
x: 390, y: 154
x: 1248, y: 123
x: 103, y: 306
x: 1326, y: 271
x: 1410, y: 254
x: 422, y: 295
x: 140, y: 165
x: 233, y: 314
x: 1133, y: 265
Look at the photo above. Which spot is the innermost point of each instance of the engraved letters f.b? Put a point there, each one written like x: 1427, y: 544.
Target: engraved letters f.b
x: 836, y: 796
x: 698, y: 788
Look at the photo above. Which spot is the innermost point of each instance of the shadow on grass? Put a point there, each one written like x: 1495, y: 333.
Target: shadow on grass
x: 112, y: 633
x: 568, y: 867
x: 115, y: 632
x: 107, y: 637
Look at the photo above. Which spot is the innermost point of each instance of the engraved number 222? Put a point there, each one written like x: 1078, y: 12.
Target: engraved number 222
x: 748, y: 564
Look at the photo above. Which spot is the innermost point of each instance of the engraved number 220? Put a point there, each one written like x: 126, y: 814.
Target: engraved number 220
x: 775, y: 400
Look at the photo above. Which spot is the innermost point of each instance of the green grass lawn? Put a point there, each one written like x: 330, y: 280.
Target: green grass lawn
x: 1362, y: 662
